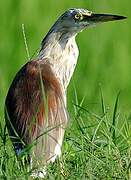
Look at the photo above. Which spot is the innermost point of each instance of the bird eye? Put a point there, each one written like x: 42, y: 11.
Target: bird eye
x: 89, y: 13
x: 78, y: 17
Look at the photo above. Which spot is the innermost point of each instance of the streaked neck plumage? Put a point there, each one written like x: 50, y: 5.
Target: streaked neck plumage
x: 59, y: 48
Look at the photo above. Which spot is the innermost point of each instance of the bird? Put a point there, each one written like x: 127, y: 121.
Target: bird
x: 36, y: 103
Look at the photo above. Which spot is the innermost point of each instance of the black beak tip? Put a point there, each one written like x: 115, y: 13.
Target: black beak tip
x: 119, y: 17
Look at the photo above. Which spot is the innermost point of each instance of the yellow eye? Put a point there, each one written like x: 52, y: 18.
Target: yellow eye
x: 78, y: 17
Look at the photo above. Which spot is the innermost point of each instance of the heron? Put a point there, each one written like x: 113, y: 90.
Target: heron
x: 36, y: 103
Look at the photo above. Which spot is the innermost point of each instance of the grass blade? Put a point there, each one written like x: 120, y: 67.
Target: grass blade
x: 112, y: 129
x: 25, y: 41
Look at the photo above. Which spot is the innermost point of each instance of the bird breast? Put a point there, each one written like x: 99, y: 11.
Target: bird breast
x: 66, y: 62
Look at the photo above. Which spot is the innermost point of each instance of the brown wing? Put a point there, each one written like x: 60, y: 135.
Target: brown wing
x: 35, y: 110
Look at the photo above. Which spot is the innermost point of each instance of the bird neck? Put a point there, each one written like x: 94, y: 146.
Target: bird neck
x: 55, y: 42
x: 60, y: 50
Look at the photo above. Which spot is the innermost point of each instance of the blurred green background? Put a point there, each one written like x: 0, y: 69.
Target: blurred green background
x: 105, y: 51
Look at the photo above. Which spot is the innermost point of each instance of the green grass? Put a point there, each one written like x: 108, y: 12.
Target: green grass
x: 97, y: 143
x: 96, y: 146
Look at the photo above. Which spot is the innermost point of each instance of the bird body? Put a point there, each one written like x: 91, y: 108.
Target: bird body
x: 25, y: 100
x: 35, y: 106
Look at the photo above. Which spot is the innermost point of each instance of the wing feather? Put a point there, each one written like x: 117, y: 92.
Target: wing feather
x: 30, y: 118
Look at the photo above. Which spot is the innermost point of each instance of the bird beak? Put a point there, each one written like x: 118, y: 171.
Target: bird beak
x: 98, y: 18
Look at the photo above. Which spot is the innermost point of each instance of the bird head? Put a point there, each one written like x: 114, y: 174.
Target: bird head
x: 75, y: 20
